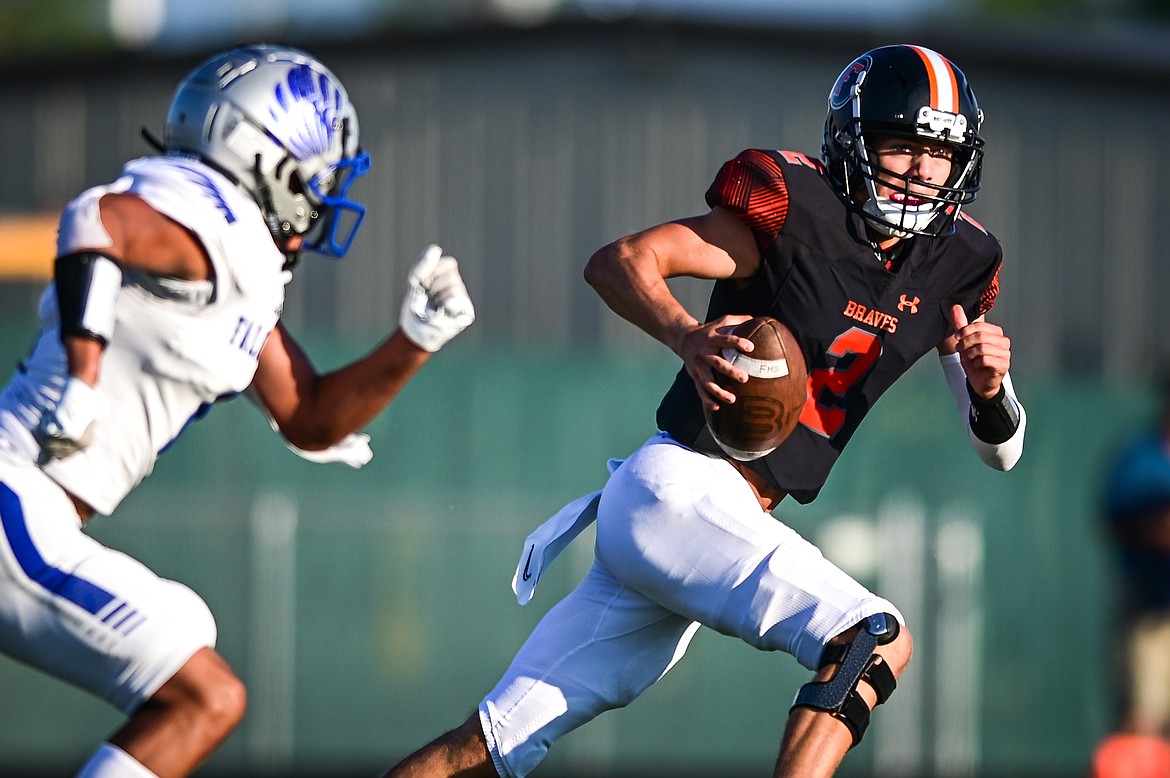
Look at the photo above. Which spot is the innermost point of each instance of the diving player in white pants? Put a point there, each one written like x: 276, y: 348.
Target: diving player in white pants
x: 167, y: 293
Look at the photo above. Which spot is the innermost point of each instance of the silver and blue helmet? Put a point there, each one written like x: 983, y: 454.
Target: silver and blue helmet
x: 277, y: 122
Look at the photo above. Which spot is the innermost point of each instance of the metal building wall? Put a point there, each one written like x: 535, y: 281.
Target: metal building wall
x: 524, y: 151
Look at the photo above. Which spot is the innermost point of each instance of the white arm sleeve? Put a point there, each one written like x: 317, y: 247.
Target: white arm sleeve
x: 1001, y: 456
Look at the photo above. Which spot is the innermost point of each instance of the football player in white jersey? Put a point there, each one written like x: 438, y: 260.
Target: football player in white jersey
x: 167, y: 293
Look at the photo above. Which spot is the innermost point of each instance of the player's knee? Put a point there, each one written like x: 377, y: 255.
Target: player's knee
x: 898, y: 652
x: 218, y: 694
x: 870, y: 655
x: 205, y: 692
x: 206, y: 681
x: 224, y: 702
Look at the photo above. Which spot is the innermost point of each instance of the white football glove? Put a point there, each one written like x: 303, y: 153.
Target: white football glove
x: 353, y: 450
x: 68, y: 427
x: 437, y: 306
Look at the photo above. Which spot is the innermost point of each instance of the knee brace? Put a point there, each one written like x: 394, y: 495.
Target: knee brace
x: 858, y: 662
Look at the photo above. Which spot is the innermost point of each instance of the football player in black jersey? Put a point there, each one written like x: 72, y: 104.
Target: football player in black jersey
x: 868, y: 258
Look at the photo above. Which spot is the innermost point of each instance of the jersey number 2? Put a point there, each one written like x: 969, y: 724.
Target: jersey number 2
x: 824, y: 411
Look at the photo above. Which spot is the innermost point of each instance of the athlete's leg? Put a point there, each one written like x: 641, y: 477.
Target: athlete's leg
x: 174, y: 731
x: 681, y: 539
x: 460, y: 752
x: 597, y: 649
x: 687, y: 531
x: 815, y: 741
x: 98, y: 619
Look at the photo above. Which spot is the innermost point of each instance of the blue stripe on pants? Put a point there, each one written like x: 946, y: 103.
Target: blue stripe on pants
x: 77, y: 590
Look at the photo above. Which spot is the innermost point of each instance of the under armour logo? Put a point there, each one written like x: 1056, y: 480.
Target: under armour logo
x: 903, y: 303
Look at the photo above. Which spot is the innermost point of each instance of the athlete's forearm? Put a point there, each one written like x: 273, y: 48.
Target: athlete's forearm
x: 999, y: 443
x: 631, y: 285
x: 84, y: 357
x: 314, y: 411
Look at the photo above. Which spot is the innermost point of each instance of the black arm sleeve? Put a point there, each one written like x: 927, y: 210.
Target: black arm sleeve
x: 993, y: 420
x: 87, y: 284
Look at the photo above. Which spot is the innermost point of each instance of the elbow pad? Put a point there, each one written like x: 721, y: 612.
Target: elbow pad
x: 995, y: 427
x: 87, y: 284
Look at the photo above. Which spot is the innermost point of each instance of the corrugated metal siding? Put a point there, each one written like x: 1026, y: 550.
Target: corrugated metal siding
x: 524, y: 152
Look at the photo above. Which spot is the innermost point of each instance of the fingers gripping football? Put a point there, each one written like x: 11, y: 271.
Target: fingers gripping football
x: 437, y: 306
x: 768, y: 405
x: 702, y: 350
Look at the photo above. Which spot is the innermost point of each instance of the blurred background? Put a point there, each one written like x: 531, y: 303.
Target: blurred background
x: 368, y: 611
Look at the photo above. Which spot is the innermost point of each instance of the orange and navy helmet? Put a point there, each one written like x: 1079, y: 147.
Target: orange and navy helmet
x: 911, y: 92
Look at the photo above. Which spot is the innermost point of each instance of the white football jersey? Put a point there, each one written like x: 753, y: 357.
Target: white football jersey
x: 176, y: 347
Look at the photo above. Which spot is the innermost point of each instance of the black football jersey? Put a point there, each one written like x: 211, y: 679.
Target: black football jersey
x: 860, y: 320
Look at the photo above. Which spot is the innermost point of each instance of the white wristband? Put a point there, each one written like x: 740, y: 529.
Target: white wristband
x: 1001, y: 456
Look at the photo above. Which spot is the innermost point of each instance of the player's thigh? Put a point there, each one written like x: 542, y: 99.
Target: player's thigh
x: 687, y: 531
x: 597, y: 649
x: 82, y: 612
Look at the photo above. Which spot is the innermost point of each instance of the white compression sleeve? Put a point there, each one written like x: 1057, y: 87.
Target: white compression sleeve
x: 1001, y: 456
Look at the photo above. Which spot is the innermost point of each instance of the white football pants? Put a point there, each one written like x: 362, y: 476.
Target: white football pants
x: 80, y: 611
x: 681, y: 542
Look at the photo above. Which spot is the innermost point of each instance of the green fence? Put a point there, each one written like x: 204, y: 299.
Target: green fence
x: 369, y: 610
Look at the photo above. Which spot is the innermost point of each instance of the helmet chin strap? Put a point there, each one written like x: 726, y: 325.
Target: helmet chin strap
x: 152, y: 140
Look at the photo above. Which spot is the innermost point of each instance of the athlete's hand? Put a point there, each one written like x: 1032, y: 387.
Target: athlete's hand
x: 352, y: 450
x: 437, y: 306
x: 68, y: 427
x: 984, y: 351
x: 701, y: 351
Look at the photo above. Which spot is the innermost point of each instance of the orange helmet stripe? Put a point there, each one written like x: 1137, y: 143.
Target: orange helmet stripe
x: 944, y: 87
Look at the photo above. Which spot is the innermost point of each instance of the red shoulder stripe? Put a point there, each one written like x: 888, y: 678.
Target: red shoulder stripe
x: 753, y: 185
x: 987, y: 299
x: 967, y: 218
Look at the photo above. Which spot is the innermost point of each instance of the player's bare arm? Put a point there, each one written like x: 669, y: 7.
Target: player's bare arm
x: 88, y: 280
x: 630, y: 275
x: 144, y: 239
x: 316, y: 411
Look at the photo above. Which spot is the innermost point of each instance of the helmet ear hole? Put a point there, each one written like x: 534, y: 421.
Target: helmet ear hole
x: 295, y: 184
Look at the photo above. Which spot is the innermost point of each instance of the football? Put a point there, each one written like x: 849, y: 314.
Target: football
x: 768, y: 406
